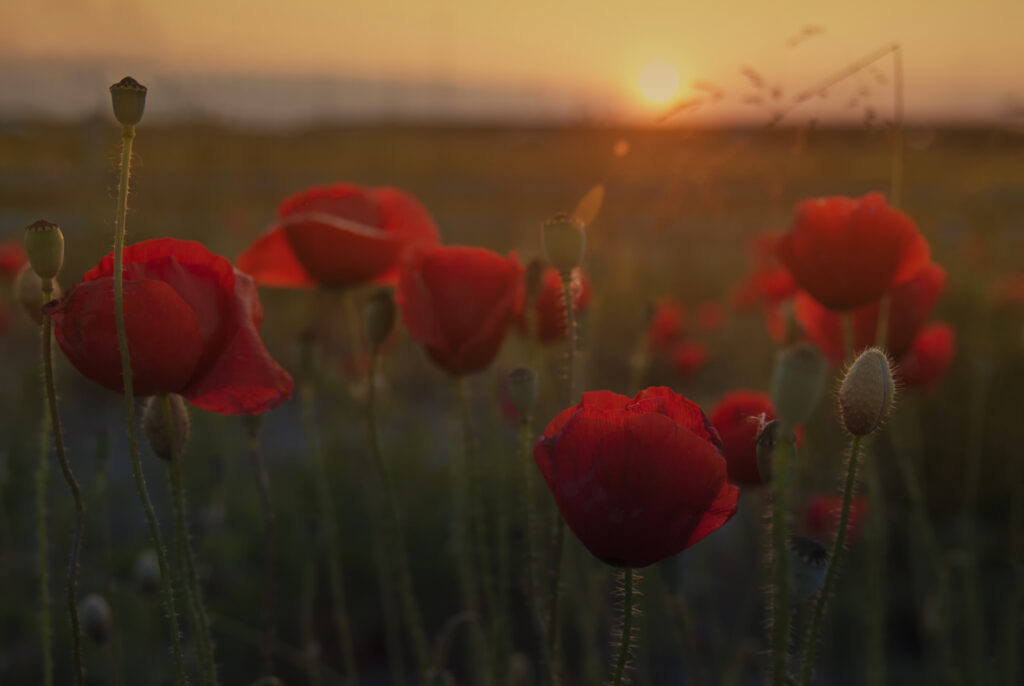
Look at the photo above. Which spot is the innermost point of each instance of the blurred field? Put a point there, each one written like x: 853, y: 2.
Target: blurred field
x: 678, y: 210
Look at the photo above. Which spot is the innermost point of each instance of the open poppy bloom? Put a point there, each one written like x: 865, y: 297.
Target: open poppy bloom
x: 910, y: 306
x: 929, y: 358
x: 550, y: 303
x: 688, y: 357
x: 192, y: 323
x: 338, y: 236
x: 739, y: 417
x: 459, y: 302
x: 637, y: 480
x: 848, y: 252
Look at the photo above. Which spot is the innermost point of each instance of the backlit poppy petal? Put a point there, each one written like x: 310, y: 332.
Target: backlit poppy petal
x: 272, y: 262
x: 929, y: 358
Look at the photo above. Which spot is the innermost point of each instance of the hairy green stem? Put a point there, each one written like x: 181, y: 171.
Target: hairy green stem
x: 626, y: 640
x: 253, y: 424
x: 43, y: 543
x: 781, y: 468
x: 875, y: 561
x: 166, y: 591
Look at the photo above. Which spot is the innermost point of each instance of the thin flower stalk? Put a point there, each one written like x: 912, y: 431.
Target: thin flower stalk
x: 253, y: 424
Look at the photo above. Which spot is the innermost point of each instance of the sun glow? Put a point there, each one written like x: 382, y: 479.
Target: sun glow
x: 658, y: 81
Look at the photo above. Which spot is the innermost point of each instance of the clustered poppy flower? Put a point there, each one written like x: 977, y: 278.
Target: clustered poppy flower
x: 192, y: 323
x: 549, y: 306
x: 688, y: 357
x: 339, y: 236
x: 929, y: 358
x: 822, y: 514
x: 739, y: 417
x: 665, y: 338
x: 636, y: 479
x: 458, y: 302
x: 848, y: 252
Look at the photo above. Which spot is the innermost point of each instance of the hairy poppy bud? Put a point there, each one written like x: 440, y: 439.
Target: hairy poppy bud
x: 129, y: 99
x: 380, y: 317
x: 28, y: 292
x: 522, y: 390
x: 147, y: 573
x: 166, y: 445
x: 534, y: 277
x: 96, y: 617
x: 798, y: 382
x: 866, y: 395
x: 808, y: 564
x: 44, y: 244
x: 765, y: 443
x: 564, y: 240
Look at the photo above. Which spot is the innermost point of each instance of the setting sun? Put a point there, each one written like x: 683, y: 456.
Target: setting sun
x: 659, y: 81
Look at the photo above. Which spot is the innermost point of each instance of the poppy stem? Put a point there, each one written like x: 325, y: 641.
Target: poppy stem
x: 875, y: 563
x: 782, y: 459
x: 186, y: 557
x: 838, y: 548
x: 627, y: 588
x: 166, y: 592
x: 849, y: 343
x: 252, y: 426
x: 43, y: 538
x: 570, y: 335
x: 395, y: 534
x: 532, y: 539
x: 69, y: 477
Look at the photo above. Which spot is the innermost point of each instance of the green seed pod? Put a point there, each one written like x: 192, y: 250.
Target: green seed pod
x: 521, y: 385
x: 564, y: 239
x: 808, y: 565
x: 166, y: 446
x: 798, y: 382
x: 147, y: 573
x: 129, y: 99
x: 380, y: 317
x: 44, y: 244
x: 28, y: 293
x: 866, y: 394
x: 96, y: 618
x: 534, y: 277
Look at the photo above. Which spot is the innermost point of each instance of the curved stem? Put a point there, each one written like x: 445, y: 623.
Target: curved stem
x: 269, y: 545
x: 69, y: 477
x: 43, y: 544
x: 781, y: 467
x: 166, y: 592
x: 626, y: 640
x: 838, y: 548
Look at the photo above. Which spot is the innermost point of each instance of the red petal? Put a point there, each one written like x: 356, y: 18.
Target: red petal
x: 272, y: 262
x: 930, y: 357
x: 739, y: 417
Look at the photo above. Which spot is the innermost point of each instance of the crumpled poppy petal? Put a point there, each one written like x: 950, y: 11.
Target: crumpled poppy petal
x: 272, y: 262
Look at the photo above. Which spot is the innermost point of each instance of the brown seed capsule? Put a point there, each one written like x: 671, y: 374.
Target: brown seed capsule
x: 28, y: 293
x: 165, y: 444
x: 866, y: 394
x: 380, y: 317
x: 44, y: 244
x: 129, y: 99
x: 564, y: 239
x: 798, y: 382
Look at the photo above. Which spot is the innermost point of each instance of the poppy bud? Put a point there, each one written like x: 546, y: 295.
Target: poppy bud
x: 96, y: 617
x: 154, y: 423
x: 147, y: 573
x: 44, y: 244
x: 380, y: 317
x: 28, y: 292
x: 534, y: 277
x: 129, y: 99
x: 798, y: 382
x: 866, y: 394
x: 808, y: 565
x: 765, y: 442
x: 522, y: 390
x: 563, y: 239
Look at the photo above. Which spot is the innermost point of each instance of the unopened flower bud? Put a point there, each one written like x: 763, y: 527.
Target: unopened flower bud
x: 28, y: 292
x: 534, y: 277
x: 798, y: 381
x: 166, y: 438
x: 808, y: 565
x: 129, y: 99
x: 380, y: 317
x: 766, y: 440
x: 564, y: 240
x: 147, y: 573
x: 44, y: 244
x: 866, y: 394
x: 96, y: 617
x: 521, y: 386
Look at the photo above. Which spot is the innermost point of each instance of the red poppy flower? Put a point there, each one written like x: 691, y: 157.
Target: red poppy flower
x: 12, y: 259
x: 821, y: 515
x: 550, y: 309
x: 193, y: 329
x: 666, y: 324
x: 458, y: 302
x: 710, y: 316
x: 929, y: 358
x: 338, y: 236
x: 768, y: 282
x: 738, y: 417
x: 910, y: 306
x: 688, y: 357
x: 848, y: 252
x: 637, y: 480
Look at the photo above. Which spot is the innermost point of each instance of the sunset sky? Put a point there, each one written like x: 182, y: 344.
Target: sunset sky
x: 449, y: 58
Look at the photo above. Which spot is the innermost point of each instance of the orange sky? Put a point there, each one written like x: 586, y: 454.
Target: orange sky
x: 961, y: 58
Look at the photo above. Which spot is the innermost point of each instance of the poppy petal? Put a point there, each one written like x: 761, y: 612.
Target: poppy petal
x: 272, y: 262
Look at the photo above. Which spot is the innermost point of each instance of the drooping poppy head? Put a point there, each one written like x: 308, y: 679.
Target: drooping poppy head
x: 910, y: 306
x: 739, y: 417
x: 822, y: 514
x: 338, y: 236
x: 12, y: 259
x: 637, y: 480
x: 848, y: 252
x: 550, y: 303
x: 666, y: 325
x: 688, y: 357
x: 192, y: 323
x: 930, y: 357
x: 459, y: 302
